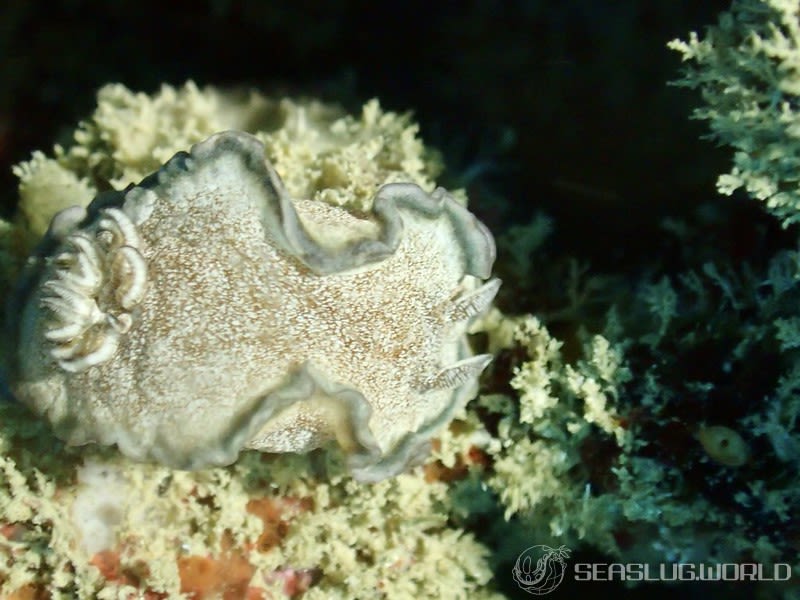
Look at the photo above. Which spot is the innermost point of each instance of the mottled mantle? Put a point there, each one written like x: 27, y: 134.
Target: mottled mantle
x: 204, y: 311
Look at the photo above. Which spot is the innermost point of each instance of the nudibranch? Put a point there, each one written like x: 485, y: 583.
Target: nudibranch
x: 204, y: 311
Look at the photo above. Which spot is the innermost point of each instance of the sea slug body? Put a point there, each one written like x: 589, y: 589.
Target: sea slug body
x: 203, y: 312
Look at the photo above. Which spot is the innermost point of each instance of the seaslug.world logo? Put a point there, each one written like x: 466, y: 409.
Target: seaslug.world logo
x: 540, y: 569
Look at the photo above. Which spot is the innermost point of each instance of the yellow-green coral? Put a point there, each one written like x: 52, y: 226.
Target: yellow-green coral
x: 367, y: 540
x: 537, y: 470
x: 572, y: 463
x: 341, y: 159
x: 747, y: 68
x: 387, y: 540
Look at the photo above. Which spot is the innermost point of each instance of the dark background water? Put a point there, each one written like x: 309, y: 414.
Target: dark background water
x: 559, y: 106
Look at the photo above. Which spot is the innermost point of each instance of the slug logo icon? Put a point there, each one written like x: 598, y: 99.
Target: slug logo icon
x: 540, y: 569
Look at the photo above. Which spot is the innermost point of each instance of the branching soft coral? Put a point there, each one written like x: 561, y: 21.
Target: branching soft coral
x: 747, y: 68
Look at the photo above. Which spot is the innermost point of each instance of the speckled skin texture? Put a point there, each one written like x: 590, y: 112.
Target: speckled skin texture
x: 204, y: 311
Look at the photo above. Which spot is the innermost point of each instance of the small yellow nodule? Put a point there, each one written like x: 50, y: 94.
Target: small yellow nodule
x: 724, y: 445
